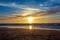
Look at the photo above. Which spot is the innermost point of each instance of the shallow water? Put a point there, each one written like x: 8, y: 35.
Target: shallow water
x: 34, y: 26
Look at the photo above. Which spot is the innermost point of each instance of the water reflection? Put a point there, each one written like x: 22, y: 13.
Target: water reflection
x: 30, y: 27
x: 41, y: 27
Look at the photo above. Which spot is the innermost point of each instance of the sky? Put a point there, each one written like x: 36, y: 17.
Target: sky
x: 17, y: 11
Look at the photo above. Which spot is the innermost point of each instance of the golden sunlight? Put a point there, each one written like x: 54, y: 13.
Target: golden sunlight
x: 30, y: 19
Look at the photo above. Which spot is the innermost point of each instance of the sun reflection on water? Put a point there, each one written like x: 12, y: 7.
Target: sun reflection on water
x: 30, y: 27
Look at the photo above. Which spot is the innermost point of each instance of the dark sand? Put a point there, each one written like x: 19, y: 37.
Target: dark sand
x: 27, y: 34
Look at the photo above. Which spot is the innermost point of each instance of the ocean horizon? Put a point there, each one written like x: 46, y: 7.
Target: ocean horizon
x: 47, y: 26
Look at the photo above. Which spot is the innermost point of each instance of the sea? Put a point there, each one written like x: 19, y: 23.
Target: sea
x: 47, y: 26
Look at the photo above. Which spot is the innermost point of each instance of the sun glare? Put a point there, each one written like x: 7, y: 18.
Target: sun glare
x: 30, y: 27
x: 30, y: 19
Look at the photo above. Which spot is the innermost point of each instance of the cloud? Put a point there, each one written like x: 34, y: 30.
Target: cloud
x: 18, y: 6
x: 52, y: 3
x: 49, y: 14
x: 29, y: 11
x: 54, y: 12
x: 24, y: 8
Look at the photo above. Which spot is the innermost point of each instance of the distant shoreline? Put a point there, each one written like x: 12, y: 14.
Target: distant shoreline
x: 27, y: 23
x: 15, y: 24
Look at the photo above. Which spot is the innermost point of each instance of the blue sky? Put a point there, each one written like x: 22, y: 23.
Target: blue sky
x: 16, y: 7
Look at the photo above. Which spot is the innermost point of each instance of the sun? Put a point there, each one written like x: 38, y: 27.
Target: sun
x: 30, y: 19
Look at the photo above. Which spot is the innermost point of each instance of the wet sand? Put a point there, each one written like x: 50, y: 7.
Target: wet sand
x: 28, y: 34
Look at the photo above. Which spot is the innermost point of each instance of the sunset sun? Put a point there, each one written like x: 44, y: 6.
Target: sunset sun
x: 30, y: 19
